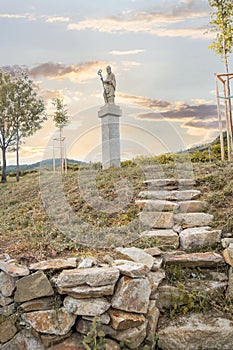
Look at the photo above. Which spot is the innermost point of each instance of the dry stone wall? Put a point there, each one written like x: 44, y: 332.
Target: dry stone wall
x: 52, y: 304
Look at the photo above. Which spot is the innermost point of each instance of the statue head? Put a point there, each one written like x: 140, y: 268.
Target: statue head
x: 108, y: 69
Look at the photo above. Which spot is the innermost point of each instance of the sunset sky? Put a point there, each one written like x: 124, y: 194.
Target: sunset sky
x: 158, y: 51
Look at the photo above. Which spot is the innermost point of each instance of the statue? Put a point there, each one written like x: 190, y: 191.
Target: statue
x: 109, y: 85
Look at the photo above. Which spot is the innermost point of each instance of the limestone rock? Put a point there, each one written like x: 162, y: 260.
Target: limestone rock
x: 208, y: 259
x: 121, y: 320
x: 153, y: 317
x: 226, y: 242
x: 197, y: 331
x: 54, y: 264
x: 104, y: 318
x: 155, y: 278
x: 135, y: 254
x: 51, y: 339
x: 112, y: 345
x: 171, y: 195
x: 39, y: 304
x: 193, y: 219
x: 57, y: 322
x: 228, y: 254
x: 23, y: 340
x: 199, y: 237
x: 8, y: 329
x: 86, y: 307
x: 229, y: 292
x: 7, y: 310
x: 33, y: 286
x: 193, y: 206
x: 83, y: 292
x: 7, y: 284
x: 153, y: 251
x: 157, y: 205
x: 133, y: 336
x: 132, y: 295
x: 131, y: 268
x: 163, y: 238
x: 86, y: 263
x: 5, y: 300
x: 14, y: 269
x: 94, y: 277
x: 157, y: 219
x: 158, y: 262
x: 72, y: 343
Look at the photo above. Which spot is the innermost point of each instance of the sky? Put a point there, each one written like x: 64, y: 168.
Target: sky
x: 158, y: 51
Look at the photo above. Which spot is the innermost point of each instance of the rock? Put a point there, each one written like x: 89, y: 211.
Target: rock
x: 39, y: 304
x: 197, y: 331
x: 132, y: 295
x: 157, y: 219
x: 112, y: 345
x: 229, y: 292
x: 104, y: 318
x: 157, y: 205
x: 8, y: 329
x: 121, y: 320
x: 155, y: 278
x: 5, y: 257
x: 157, y: 264
x: 228, y: 254
x: 86, y: 263
x: 86, y: 307
x: 153, y: 317
x: 193, y: 206
x: 135, y: 254
x: 7, y: 284
x: 131, y: 268
x: 83, y: 292
x: 163, y: 238
x: 54, y: 264
x: 132, y: 336
x: 51, y: 339
x: 7, y: 310
x: 171, y: 195
x: 170, y: 182
x: 94, y: 277
x: 14, y: 269
x: 5, y: 300
x: 57, y: 321
x: 72, y: 343
x: 23, y: 340
x: 208, y: 259
x: 33, y: 286
x: 153, y: 251
x: 193, y: 219
x: 226, y: 242
x: 198, y: 237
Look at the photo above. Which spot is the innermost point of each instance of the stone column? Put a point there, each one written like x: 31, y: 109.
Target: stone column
x: 109, y: 115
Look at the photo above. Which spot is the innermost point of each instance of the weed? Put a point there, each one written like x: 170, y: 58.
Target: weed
x: 95, y: 338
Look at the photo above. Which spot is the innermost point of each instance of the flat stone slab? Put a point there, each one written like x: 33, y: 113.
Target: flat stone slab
x: 135, y: 254
x: 94, y: 277
x: 193, y: 206
x: 153, y: 251
x: 157, y: 205
x: 155, y: 278
x: 23, y: 340
x: 208, y: 259
x: 162, y: 238
x: 193, y: 219
x: 57, y: 322
x: 38, y: 304
x: 86, y: 307
x: 121, y: 320
x: 157, y: 220
x: 171, y: 195
x: 131, y: 268
x: 4, y: 301
x: 33, y: 286
x: 198, y: 237
x: 170, y: 182
x: 228, y: 254
x: 84, y: 292
x: 54, y: 264
x: 14, y: 269
x: 132, y: 295
x: 197, y: 331
x: 7, y: 284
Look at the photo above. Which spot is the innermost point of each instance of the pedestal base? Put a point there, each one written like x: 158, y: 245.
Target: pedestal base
x: 109, y: 115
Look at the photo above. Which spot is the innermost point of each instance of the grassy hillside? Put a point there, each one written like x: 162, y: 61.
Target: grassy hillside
x: 27, y: 233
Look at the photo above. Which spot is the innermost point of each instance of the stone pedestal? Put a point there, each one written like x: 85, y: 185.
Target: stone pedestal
x: 109, y: 115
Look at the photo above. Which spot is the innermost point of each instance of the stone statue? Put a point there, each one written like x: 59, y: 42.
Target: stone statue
x: 109, y: 85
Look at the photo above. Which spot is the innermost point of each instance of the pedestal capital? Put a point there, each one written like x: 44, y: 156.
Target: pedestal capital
x: 110, y: 109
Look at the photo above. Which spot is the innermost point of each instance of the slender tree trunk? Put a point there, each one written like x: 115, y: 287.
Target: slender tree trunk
x: 17, y: 155
x: 3, y: 164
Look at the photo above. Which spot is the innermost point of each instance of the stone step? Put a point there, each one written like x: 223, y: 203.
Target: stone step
x: 198, y: 237
x: 171, y: 195
x: 169, y: 183
x: 193, y: 206
x: 157, y: 219
x: 164, y: 238
x: 157, y: 205
x: 188, y: 220
x: 206, y: 260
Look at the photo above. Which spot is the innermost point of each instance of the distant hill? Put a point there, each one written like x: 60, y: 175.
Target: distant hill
x: 205, y: 147
x: 43, y: 164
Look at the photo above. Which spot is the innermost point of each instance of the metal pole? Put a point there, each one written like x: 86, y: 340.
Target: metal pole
x: 219, y: 120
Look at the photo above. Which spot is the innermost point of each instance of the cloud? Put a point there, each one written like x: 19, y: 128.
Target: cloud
x: 144, y: 102
x: 123, y: 53
x: 173, y: 21
x: 57, y: 19
x: 199, y: 124
x: 78, y: 73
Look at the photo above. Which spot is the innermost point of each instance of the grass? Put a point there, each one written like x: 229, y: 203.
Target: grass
x: 27, y: 233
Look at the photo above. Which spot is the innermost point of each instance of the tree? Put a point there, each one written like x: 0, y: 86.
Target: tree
x: 221, y: 23
x: 60, y: 118
x: 22, y: 113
